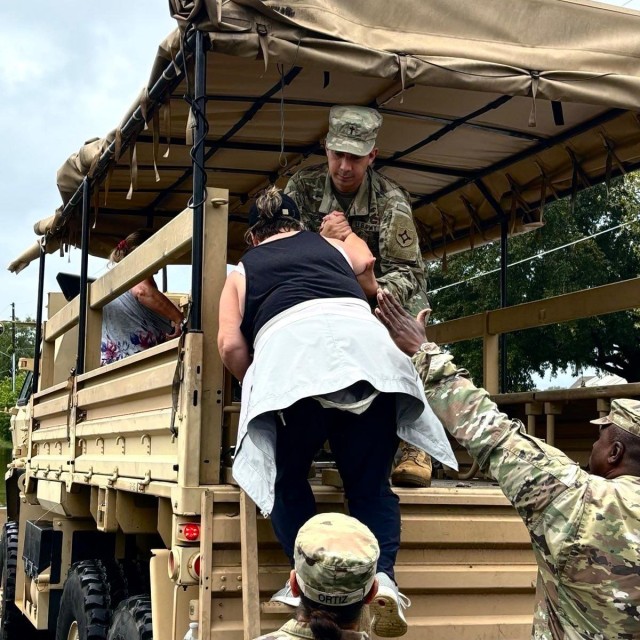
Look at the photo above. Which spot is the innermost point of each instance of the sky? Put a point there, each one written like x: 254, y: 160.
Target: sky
x: 69, y: 71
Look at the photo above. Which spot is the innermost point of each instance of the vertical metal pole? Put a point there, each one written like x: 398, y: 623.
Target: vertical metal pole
x: 38, y: 339
x: 199, y: 178
x: 164, y: 279
x: 84, y: 264
x: 504, y: 234
x: 13, y: 347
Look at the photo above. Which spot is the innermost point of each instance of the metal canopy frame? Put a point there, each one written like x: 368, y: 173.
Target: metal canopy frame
x: 195, y: 45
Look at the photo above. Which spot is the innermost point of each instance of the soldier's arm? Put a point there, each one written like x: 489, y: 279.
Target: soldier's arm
x: 541, y: 482
x: 401, y: 264
x: 535, y: 477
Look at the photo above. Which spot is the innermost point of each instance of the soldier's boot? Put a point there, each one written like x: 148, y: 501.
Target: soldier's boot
x: 414, y: 468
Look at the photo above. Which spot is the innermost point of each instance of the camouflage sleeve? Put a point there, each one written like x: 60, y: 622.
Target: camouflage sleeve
x: 540, y: 481
x: 401, y: 265
x: 308, y: 214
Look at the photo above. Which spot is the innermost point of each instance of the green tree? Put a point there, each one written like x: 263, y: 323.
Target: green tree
x: 7, y: 400
x: 25, y: 339
x: 608, y: 343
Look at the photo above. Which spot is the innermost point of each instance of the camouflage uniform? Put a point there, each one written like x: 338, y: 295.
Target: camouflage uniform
x: 585, y: 530
x: 335, y: 559
x: 380, y: 214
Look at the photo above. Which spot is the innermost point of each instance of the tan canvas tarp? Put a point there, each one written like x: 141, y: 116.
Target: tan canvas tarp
x: 489, y: 108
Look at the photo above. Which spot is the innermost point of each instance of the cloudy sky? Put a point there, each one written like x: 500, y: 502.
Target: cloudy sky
x: 68, y: 72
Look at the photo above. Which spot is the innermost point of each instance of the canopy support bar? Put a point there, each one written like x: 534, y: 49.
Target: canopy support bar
x: 218, y: 144
x: 38, y: 338
x: 523, y: 155
x: 451, y: 126
x: 504, y: 301
x: 199, y: 110
x: 168, y: 81
x: 84, y: 265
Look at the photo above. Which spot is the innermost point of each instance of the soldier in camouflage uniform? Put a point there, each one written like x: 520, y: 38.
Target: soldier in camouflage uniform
x: 584, y: 527
x: 346, y: 195
x: 335, y: 574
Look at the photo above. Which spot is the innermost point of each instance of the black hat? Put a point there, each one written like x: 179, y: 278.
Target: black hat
x: 288, y: 209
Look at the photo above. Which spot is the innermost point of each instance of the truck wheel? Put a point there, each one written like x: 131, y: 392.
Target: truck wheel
x: 85, y: 605
x: 132, y: 620
x: 13, y: 625
x: 127, y: 578
x: 136, y: 572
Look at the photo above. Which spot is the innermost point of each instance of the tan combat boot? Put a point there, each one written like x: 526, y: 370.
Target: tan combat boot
x: 414, y: 469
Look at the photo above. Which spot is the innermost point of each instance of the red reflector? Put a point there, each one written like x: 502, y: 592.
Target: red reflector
x: 196, y: 566
x: 191, y: 531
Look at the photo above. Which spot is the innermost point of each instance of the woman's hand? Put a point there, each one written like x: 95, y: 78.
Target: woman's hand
x: 148, y: 294
x: 367, y: 279
x: 177, y: 331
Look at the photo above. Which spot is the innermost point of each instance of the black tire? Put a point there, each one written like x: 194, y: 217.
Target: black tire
x: 85, y: 606
x: 13, y: 625
x: 127, y: 578
x: 136, y: 573
x: 132, y: 620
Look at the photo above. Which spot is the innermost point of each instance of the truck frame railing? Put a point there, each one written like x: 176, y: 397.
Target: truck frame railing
x: 609, y: 298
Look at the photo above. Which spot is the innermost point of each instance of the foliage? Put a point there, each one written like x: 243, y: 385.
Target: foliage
x: 609, y: 343
x: 25, y: 339
x: 7, y: 400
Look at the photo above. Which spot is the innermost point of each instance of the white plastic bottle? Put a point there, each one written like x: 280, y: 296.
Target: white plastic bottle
x: 192, y: 634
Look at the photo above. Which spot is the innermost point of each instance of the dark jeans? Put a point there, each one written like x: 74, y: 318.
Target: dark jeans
x: 363, y: 445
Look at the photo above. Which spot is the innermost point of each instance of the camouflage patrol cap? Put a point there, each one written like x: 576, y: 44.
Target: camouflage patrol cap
x: 335, y: 559
x: 353, y: 129
x: 625, y: 413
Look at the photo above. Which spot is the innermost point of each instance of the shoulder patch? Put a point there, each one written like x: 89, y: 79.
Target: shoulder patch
x: 402, y: 239
x: 404, y: 236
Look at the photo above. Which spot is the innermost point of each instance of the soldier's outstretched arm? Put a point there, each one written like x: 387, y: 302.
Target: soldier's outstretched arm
x: 539, y: 480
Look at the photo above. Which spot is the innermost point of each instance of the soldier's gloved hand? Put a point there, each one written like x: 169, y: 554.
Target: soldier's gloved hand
x: 335, y: 225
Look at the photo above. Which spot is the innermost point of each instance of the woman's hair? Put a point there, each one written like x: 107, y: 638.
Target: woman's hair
x: 325, y: 622
x: 273, y: 212
x: 126, y: 246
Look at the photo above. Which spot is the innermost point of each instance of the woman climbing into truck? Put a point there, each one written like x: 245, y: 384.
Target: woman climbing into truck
x: 316, y: 365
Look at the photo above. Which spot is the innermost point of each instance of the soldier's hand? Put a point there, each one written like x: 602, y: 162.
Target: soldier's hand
x: 408, y: 333
x: 335, y: 225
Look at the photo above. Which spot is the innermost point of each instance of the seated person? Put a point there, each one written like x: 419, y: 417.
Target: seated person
x: 316, y: 365
x: 334, y: 576
x: 141, y: 317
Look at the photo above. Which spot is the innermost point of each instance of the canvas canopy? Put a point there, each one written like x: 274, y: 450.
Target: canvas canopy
x: 490, y: 108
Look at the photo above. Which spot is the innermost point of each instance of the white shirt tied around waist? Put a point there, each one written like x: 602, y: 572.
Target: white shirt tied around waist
x: 318, y: 348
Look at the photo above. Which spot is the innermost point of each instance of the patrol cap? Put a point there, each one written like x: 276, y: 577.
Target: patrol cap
x: 353, y: 129
x: 335, y: 559
x: 625, y: 413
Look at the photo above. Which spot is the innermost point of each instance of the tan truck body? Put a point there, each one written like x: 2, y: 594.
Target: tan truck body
x: 100, y: 456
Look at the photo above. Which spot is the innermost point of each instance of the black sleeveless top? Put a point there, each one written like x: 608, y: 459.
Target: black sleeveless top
x: 286, y: 272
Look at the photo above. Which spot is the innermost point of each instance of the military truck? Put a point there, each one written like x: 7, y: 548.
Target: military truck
x: 123, y: 518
